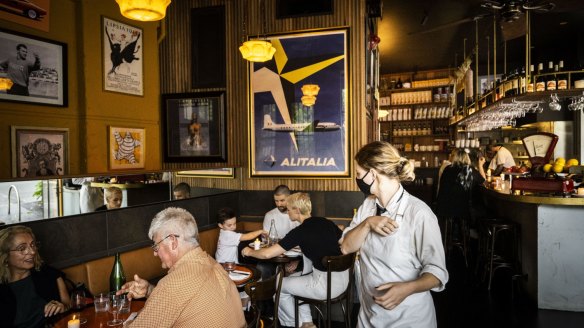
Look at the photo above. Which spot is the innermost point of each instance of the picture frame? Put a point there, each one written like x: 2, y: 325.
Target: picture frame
x: 34, y: 14
x: 123, y: 62
x: 287, y: 137
x: 194, y: 127
x: 39, y: 151
x: 225, y: 172
x: 127, y: 148
x: 45, y: 64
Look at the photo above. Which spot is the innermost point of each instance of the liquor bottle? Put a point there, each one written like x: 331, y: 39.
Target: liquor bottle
x: 562, y: 77
x: 539, y: 81
x: 551, y: 79
x: 273, y: 237
x: 530, y: 85
x: 117, y: 277
x: 399, y: 84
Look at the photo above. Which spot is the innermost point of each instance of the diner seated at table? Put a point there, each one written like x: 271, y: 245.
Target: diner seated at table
x: 113, y: 199
x: 196, y: 292
x: 227, y: 245
x: 30, y: 292
x: 317, y: 237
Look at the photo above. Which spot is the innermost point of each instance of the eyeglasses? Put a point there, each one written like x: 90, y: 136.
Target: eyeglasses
x: 156, y: 246
x: 22, y: 248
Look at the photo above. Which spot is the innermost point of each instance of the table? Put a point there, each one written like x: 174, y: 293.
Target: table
x: 97, y: 320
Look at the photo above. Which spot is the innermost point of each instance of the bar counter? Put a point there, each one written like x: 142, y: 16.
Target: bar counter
x: 552, y: 242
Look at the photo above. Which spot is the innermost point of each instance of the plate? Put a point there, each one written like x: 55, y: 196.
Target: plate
x: 562, y: 174
x: 292, y: 253
x: 239, y: 275
x: 578, y: 196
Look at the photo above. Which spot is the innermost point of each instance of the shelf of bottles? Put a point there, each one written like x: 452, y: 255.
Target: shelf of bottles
x: 516, y: 95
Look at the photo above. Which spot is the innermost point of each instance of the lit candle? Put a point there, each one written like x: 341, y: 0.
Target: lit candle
x: 73, y: 323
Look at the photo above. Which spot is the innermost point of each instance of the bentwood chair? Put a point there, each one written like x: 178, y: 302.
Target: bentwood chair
x: 266, y: 290
x: 333, y: 264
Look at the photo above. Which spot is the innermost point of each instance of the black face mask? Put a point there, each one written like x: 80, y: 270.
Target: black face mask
x: 363, y: 186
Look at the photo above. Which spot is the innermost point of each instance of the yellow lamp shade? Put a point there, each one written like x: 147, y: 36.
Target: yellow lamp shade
x: 143, y: 10
x: 310, y: 91
x: 308, y: 100
x: 5, y: 83
x: 257, y: 50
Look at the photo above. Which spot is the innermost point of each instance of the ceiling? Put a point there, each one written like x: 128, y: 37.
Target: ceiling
x: 408, y: 44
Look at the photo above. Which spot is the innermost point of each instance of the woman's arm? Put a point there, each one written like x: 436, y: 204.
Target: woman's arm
x: 264, y: 253
x: 353, y: 239
x: 58, y: 306
x: 395, y: 292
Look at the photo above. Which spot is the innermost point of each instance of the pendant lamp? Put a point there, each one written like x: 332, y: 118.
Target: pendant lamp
x: 143, y: 10
x: 257, y: 50
x: 5, y: 83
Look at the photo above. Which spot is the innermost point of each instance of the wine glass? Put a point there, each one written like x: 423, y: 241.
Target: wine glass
x: 114, y: 308
x: 78, y: 303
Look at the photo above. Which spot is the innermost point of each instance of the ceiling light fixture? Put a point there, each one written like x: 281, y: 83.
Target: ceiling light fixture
x: 257, y: 50
x: 143, y: 10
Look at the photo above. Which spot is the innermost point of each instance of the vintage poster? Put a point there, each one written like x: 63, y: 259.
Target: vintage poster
x: 122, y: 58
x: 39, y: 151
x: 127, y: 148
x: 289, y: 135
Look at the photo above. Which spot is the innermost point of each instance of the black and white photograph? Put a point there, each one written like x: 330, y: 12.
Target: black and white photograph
x: 32, y: 69
x: 122, y: 58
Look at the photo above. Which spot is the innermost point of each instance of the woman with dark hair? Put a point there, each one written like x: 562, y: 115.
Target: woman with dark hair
x: 401, y: 257
x: 30, y: 292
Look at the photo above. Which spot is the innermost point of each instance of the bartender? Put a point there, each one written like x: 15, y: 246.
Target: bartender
x: 501, y: 160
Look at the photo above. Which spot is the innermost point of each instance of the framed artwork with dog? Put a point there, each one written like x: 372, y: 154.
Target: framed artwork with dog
x: 122, y: 57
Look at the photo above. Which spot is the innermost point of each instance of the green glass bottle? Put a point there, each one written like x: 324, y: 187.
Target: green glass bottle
x: 117, y: 277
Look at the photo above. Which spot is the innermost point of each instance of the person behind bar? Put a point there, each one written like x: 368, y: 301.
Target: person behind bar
x: 18, y: 70
x: 196, y: 292
x: 502, y: 159
x: 181, y: 191
x: 401, y: 257
x: 113, y: 199
x: 228, y: 242
x: 30, y: 292
x: 317, y: 237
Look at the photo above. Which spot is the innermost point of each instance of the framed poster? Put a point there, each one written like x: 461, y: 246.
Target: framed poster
x: 226, y: 172
x: 39, y: 151
x: 122, y: 58
x: 292, y: 137
x: 194, y: 127
x: 127, y: 148
x: 32, y: 69
x: 31, y: 13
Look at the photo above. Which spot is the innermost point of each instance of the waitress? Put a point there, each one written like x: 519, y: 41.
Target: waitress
x: 398, y: 238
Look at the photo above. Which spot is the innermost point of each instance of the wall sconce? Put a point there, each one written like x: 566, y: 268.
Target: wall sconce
x: 5, y: 83
x: 310, y: 91
x: 143, y: 10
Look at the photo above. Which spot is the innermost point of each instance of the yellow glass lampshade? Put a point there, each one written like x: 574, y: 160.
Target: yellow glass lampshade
x: 5, y: 83
x: 257, y: 50
x: 310, y: 91
x: 143, y: 10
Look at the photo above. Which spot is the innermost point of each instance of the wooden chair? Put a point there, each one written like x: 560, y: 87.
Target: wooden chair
x: 266, y: 290
x: 333, y: 264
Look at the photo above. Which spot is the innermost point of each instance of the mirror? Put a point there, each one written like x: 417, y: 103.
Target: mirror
x: 31, y: 200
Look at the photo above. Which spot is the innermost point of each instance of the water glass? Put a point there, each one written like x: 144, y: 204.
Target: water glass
x: 126, y: 305
x: 101, y: 302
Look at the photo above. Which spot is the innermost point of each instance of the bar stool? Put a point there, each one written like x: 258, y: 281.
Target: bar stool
x: 498, y: 254
x: 463, y: 232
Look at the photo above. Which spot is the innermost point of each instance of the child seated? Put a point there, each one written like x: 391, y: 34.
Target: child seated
x: 227, y: 250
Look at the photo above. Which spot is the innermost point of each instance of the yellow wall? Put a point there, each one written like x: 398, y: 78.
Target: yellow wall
x: 90, y: 109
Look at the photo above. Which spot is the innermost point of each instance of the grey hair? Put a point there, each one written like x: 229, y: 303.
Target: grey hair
x: 178, y: 221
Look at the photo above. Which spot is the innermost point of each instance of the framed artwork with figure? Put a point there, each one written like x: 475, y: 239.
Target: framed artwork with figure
x: 299, y: 111
x: 39, y: 151
x: 32, y: 69
x: 194, y: 127
x: 127, y: 148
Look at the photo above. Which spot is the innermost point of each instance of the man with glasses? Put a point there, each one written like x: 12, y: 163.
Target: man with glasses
x: 196, y: 292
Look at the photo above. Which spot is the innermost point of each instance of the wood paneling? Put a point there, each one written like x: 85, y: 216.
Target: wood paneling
x: 175, y: 61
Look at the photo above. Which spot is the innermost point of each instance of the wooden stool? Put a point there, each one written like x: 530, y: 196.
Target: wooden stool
x: 496, y: 256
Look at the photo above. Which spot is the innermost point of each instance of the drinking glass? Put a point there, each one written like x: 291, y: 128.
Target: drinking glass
x: 101, y: 302
x: 78, y: 304
x: 114, y: 308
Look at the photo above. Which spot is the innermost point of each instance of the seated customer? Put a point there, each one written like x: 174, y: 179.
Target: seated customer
x: 181, y: 191
x: 317, y: 237
x: 196, y: 292
x: 229, y: 239
x: 113, y: 199
x: 30, y: 292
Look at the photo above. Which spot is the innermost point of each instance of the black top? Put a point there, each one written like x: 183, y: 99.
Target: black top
x: 317, y: 237
x: 23, y: 301
x: 101, y: 208
x: 453, y: 201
